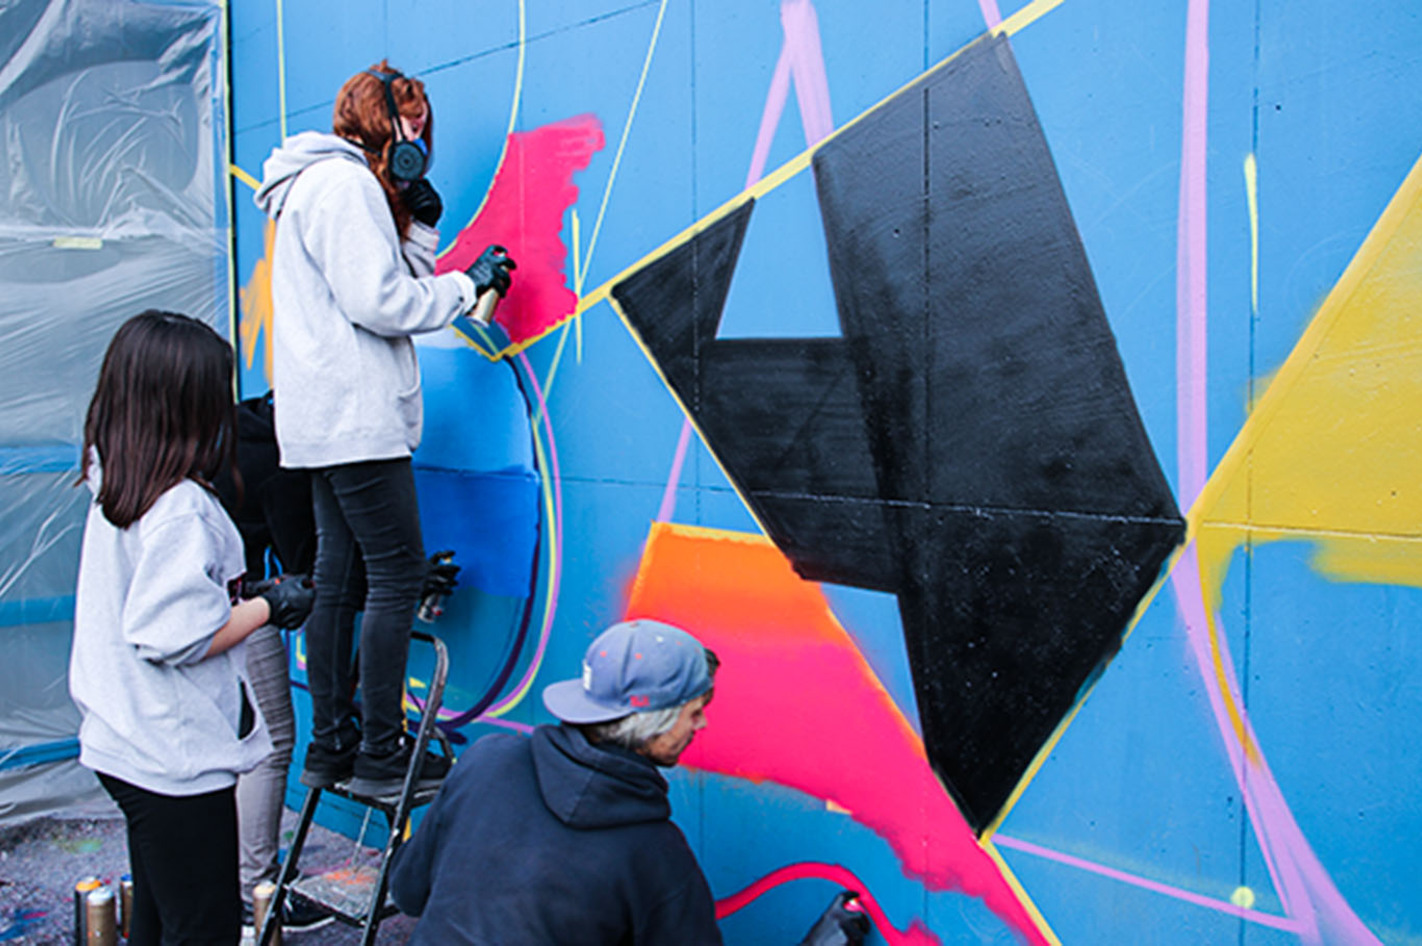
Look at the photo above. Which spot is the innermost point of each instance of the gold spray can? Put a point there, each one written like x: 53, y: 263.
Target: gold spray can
x: 262, y: 897
x: 102, y: 927
x: 125, y: 904
x: 81, y: 890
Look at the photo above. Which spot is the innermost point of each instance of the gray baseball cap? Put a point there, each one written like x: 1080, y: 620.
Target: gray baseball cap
x: 632, y: 667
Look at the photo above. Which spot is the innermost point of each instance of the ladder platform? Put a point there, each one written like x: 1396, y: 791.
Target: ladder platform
x: 345, y: 892
x: 386, y: 804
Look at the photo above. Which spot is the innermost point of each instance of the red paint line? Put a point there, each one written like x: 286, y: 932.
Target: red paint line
x: 916, y: 935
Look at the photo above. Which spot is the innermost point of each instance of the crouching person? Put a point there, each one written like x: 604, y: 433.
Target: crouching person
x: 566, y: 837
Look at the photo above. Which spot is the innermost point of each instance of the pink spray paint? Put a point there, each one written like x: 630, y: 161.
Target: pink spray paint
x: 523, y: 212
x: 837, y: 733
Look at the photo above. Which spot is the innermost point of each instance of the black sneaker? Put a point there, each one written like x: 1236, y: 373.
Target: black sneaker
x: 325, y: 767
x: 299, y: 915
x: 382, y: 776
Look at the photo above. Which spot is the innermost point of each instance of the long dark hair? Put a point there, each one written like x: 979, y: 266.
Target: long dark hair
x: 362, y: 115
x: 162, y: 412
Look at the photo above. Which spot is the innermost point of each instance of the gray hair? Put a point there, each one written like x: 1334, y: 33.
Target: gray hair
x: 636, y: 730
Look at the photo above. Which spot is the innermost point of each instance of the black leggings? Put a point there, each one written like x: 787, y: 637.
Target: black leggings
x: 182, y: 852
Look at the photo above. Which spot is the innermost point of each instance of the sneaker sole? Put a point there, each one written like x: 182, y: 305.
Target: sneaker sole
x: 313, y: 780
x: 371, y: 788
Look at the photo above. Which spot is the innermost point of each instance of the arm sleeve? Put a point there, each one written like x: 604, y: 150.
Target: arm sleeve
x: 419, y: 248
x: 177, y: 600
x: 413, y: 865
x: 352, y: 240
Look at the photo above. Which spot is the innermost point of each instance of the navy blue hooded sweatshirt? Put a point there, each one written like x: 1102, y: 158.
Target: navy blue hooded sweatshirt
x: 552, y: 840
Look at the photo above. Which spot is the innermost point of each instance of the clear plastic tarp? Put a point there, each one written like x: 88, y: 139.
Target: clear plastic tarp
x: 112, y: 200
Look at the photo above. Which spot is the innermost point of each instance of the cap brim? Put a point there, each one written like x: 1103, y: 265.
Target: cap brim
x: 568, y: 701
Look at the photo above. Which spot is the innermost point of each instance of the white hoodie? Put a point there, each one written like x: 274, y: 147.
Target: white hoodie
x: 346, y: 296
x: 157, y: 711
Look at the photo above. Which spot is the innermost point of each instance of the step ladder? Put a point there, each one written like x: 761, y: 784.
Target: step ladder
x: 356, y: 895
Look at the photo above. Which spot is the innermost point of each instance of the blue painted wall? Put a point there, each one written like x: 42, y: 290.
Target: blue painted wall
x: 1324, y: 95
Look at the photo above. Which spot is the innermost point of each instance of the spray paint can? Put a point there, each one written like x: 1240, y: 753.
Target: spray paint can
x: 125, y: 904
x: 99, y: 920
x: 432, y: 604
x: 262, y: 896
x: 81, y: 891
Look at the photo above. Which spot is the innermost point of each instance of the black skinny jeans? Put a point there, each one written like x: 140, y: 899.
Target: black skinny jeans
x: 182, y: 852
x: 369, y: 556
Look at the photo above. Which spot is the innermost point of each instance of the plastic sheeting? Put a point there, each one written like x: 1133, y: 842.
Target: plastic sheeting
x: 113, y: 133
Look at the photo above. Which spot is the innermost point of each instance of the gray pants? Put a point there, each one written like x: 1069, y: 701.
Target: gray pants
x: 261, y: 793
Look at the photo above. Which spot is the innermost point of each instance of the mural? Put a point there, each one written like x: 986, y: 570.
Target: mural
x: 916, y: 370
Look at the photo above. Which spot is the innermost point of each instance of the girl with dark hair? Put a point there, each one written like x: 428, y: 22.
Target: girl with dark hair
x: 352, y: 280
x: 156, y: 667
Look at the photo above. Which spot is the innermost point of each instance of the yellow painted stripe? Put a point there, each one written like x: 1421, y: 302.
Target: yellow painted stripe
x: 799, y: 162
x: 1029, y: 14
x: 622, y: 144
x: 513, y: 120
x: 243, y: 176
x: 1022, y: 896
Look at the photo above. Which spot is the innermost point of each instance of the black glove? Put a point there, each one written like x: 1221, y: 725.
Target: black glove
x: 491, y: 270
x: 423, y: 202
x: 844, y: 923
x: 440, y: 578
x: 289, y: 598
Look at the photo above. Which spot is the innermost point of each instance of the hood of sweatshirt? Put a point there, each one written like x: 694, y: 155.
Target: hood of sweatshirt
x: 295, y: 155
x: 586, y: 786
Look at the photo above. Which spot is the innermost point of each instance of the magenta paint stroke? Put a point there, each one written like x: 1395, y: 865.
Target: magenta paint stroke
x: 1135, y: 880
x: 1308, y: 895
x: 801, y: 59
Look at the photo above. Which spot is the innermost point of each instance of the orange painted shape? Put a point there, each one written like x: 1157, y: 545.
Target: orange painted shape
x: 797, y: 704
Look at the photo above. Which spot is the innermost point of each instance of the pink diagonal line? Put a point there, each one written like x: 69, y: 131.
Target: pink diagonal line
x: 991, y: 16
x: 802, y: 57
x: 1191, y: 325
x: 1254, y: 916
x: 1305, y: 889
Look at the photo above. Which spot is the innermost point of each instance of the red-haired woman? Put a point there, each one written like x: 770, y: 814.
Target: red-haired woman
x: 352, y: 280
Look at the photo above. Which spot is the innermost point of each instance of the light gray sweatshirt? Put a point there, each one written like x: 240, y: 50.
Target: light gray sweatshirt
x: 346, y: 296
x: 157, y: 712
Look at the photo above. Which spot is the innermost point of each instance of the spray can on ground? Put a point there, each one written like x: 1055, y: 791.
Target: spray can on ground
x: 125, y: 904
x: 262, y: 896
x: 99, y: 920
x: 81, y: 891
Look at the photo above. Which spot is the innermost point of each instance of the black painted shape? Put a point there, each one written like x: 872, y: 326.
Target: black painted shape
x: 1007, y: 617
x: 1030, y: 515
x: 971, y: 444
x: 783, y: 415
x: 675, y: 301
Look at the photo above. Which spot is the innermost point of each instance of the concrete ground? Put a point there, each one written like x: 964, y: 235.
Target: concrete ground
x: 41, y: 860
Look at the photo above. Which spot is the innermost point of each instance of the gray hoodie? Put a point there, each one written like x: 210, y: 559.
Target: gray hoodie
x: 157, y: 712
x: 346, y: 296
